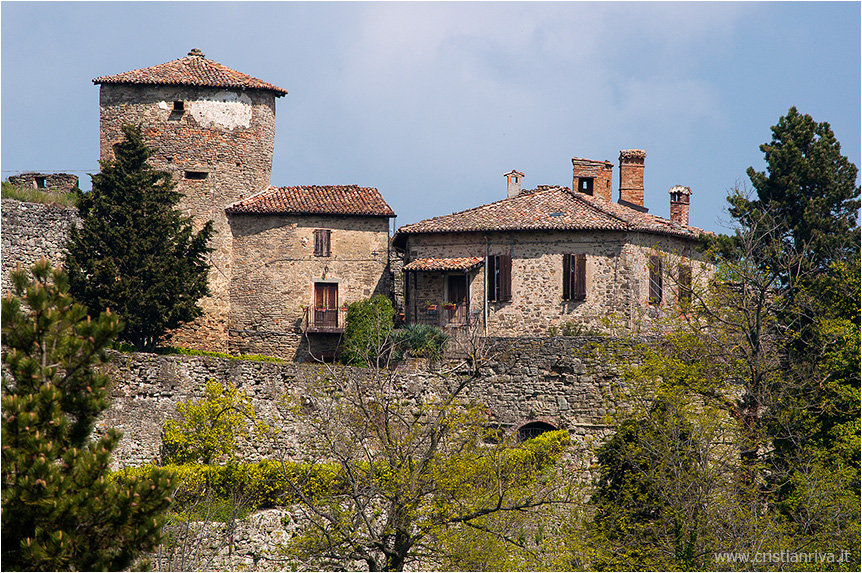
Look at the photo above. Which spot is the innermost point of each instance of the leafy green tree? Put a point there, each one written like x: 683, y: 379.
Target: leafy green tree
x: 60, y: 509
x: 208, y: 429
x: 416, y: 471
x: 133, y: 252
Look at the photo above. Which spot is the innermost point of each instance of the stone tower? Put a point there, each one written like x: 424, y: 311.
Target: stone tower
x: 213, y: 129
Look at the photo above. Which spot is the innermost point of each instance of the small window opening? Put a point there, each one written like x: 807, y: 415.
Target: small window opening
x: 585, y: 185
x: 534, y: 429
x: 195, y: 175
x: 179, y: 106
x: 40, y: 182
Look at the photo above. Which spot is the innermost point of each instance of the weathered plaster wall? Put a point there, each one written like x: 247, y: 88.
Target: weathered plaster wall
x: 32, y: 231
x: 228, y: 135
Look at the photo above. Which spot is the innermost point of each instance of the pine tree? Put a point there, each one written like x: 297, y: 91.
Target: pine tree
x: 133, y: 252
x: 809, y: 191
x: 61, y: 509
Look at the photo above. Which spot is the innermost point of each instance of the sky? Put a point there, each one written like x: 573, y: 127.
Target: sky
x: 431, y: 103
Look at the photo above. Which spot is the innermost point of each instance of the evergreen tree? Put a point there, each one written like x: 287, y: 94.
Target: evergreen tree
x: 133, y: 252
x: 809, y: 192
x: 61, y: 509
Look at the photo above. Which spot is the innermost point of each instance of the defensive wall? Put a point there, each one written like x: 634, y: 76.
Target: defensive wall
x: 561, y: 381
x: 32, y: 231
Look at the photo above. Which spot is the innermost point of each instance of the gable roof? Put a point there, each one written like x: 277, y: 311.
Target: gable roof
x: 555, y: 208
x: 192, y: 70
x: 315, y: 199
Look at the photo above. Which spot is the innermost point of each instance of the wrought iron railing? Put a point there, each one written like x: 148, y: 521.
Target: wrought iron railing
x: 325, y: 319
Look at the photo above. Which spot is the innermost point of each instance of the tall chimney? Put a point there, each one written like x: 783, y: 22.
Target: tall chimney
x: 632, y: 176
x: 592, y: 177
x: 679, y: 203
x: 513, y: 180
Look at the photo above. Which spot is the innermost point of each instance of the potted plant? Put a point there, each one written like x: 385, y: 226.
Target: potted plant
x: 429, y: 306
x: 448, y: 305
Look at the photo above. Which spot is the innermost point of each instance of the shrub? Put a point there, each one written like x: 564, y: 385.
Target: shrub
x: 419, y: 340
x: 369, y: 328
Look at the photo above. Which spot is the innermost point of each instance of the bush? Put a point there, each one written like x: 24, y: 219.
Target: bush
x: 261, y: 485
x: 419, y: 340
x: 369, y: 329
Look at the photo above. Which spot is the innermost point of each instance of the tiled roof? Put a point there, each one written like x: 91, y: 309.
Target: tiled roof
x: 456, y: 264
x: 316, y: 199
x: 556, y: 208
x: 192, y: 70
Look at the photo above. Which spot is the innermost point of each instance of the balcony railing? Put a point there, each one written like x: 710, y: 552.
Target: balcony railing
x: 442, y: 316
x: 325, y: 320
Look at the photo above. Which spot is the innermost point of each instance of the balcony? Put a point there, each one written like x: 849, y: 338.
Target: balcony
x: 325, y: 320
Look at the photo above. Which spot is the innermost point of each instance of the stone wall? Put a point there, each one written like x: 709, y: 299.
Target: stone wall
x: 558, y: 380
x: 218, y: 149
x: 272, y: 294
x: 32, y: 231
x: 59, y: 182
x: 617, y: 272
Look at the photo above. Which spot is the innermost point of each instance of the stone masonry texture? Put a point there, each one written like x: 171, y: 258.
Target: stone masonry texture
x: 218, y: 149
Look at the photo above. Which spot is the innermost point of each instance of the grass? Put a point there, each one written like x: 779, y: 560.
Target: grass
x: 31, y: 195
x: 175, y: 351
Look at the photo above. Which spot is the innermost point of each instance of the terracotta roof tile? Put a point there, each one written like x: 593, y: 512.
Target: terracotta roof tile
x: 456, y: 264
x: 192, y: 70
x: 555, y: 208
x: 316, y: 199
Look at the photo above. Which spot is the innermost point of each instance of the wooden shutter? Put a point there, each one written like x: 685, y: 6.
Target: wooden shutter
x: 321, y: 242
x: 505, y: 277
x: 684, y: 285
x: 655, y: 286
x: 574, y: 276
x: 500, y: 277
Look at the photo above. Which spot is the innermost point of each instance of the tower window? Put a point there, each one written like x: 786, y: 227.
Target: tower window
x: 585, y: 185
x: 195, y: 175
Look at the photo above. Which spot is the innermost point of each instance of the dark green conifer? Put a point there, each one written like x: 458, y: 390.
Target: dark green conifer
x: 133, y: 252
x: 61, y: 509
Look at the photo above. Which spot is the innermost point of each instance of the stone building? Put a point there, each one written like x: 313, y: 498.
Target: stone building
x: 56, y: 182
x: 545, y: 257
x: 213, y: 128
x: 304, y: 253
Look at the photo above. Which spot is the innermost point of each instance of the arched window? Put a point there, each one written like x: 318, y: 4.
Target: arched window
x: 533, y: 429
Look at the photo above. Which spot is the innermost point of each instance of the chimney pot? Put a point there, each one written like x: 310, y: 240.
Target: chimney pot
x: 632, y: 176
x: 679, y: 204
x: 513, y: 181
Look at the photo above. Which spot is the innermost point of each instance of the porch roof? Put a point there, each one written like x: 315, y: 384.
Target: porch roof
x: 454, y: 264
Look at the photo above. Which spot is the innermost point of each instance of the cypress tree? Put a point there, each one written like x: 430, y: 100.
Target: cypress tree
x: 133, y: 252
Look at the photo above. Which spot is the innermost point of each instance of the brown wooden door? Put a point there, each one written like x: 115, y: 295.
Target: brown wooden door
x: 457, y: 293
x: 326, y: 305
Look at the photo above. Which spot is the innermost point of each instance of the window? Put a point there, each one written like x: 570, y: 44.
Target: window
x: 500, y: 277
x: 195, y: 175
x: 322, y: 242
x: 574, y: 276
x: 40, y: 182
x: 585, y: 185
x: 684, y: 285
x: 179, y: 106
x: 655, y: 287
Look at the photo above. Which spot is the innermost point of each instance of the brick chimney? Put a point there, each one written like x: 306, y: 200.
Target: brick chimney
x: 513, y: 180
x: 592, y: 177
x: 632, y: 176
x: 679, y: 202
